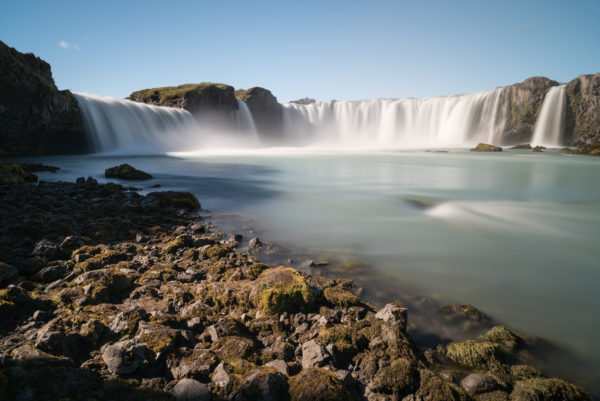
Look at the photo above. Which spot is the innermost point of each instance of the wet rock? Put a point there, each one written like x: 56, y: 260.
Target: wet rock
x: 46, y: 249
x: 393, y: 314
x: 314, y: 263
x: 124, y: 357
x: 538, y: 149
x: 126, y: 172
x: 11, y: 173
x: 254, y: 243
x: 587, y: 149
x: 316, y: 384
x: 477, y: 383
x: 314, y: 354
x: 171, y: 199
x: 484, y: 147
x: 522, y: 146
x: 264, y: 384
x: 548, y: 389
x: 191, y: 390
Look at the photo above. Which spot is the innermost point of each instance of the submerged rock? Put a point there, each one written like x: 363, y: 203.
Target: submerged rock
x: 522, y: 146
x: 126, y: 172
x: 589, y: 149
x: 484, y: 147
x: 11, y: 173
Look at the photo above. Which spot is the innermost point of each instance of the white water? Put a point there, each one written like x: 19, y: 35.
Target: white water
x: 448, y: 121
x: 550, y: 125
x: 119, y: 125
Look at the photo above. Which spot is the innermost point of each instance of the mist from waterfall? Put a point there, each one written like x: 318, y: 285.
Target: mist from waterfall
x: 550, y: 125
x: 448, y: 121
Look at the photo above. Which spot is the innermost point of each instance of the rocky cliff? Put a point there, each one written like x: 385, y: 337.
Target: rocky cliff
x: 583, y: 110
x: 35, y: 117
x: 195, y: 98
x: 266, y: 111
x: 524, y: 101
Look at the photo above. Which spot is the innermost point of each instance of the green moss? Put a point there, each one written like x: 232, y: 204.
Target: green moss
x: 503, y: 336
x: 173, y: 246
x: 400, y: 378
x: 523, y: 372
x: 126, y: 172
x: 337, y: 296
x: 547, y: 389
x: 434, y: 388
x: 484, y: 147
x: 11, y: 173
x: 283, y: 289
x: 473, y: 353
x: 497, y: 395
x: 216, y: 251
x: 174, y: 93
x: 86, y: 249
x: 316, y: 384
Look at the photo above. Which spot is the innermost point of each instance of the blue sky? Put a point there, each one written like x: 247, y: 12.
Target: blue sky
x: 322, y: 49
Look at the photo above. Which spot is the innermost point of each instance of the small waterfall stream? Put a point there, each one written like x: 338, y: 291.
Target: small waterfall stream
x: 550, y: 125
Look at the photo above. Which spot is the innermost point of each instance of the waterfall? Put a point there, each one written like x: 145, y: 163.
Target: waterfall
x: 453, y: 121
x: 118, y: 125
x: 550, y: 124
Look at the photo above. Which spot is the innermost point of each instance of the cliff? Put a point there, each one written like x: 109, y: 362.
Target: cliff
x: 266, y: 111
x: 195, y: 98
x: 583, y: 110
x: 35, y: 117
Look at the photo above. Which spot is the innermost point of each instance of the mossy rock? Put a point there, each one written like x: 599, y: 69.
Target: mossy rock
x: 524, y: 372
x: 283, y: 289
x: 548, y: 389
x: 433, y: 387
x: 497, y: 395
x: 590, y: 150
x: 348, y: 342
x: 215, y: 251
x: 177, y: 200
x: 126, y: 172
x: 339, y: 297
x: 11, y: 173
x: 503, y: 336
x: 474, y: 353
x: 173, y: 246
x: 522, y: 146
x: 316, y: 384
x: 399, y: 379
x: 485, y: 147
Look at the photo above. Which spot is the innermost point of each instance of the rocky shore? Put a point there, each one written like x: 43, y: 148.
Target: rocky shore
x: 106, y: 294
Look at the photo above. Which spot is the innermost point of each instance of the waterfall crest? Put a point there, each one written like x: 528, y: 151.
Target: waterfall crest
x: 124, y: 126
x: 550, y: 125
x: 458, y: 120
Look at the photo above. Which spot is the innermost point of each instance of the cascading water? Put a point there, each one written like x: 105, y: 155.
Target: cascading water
x: 549, y: 127
x: 118, y: 125
x: 449, y: 121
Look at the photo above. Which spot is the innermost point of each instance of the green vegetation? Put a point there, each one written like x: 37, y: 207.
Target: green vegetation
x: 283, y: 289
x: 473, y: 353
x: 316, y: 384
x: 339, y: 297
x: 169, y: 94
x: 11, y: 173
x: 547, y: 389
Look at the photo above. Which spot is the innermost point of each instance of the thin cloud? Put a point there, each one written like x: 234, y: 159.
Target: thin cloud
x: 76, y: 46
x: 64, y: 44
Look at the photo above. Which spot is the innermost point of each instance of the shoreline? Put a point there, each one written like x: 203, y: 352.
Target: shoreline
x: 196, y: 313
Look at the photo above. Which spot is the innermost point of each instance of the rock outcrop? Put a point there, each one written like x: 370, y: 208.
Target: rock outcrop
x: 583, y: 110
x: 198, y: 99
x: 523, y: 107
x: 304, y: 101
x: 35, y: 117
x: 266, y: 111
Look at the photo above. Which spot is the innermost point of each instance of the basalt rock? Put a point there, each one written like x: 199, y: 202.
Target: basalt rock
x: 583, y: 110
x: 266, y: 111
x: 35, y: 117
x: 126, y: 172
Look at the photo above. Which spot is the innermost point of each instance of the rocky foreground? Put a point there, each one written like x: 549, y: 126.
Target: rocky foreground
x: 110, y: 295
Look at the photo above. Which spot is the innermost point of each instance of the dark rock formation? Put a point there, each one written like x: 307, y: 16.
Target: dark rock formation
x: 126, y: 172
x: 195, y: 98
x: 35, y: 117
x: 484, y: 147
x: 523, y: 107
x: 583, y: 110
x: 304, y: 100
x: 266, y: 111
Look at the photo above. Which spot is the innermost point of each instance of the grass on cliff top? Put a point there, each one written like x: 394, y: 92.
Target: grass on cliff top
x: 174, y: 92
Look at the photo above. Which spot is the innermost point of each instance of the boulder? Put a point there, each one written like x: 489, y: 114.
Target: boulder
x: 522, y: 146
x: 191, y: 390
x: 11, y: 173
x: 282, y: 289
x: 35, y: 117
x: 172, y: 199
x: 126, y: 172
x: 263, y: 384
x: 304, y: 101
x: 393, y: 314
x: 539, y: 389
x: 316, y: 384
x: 124, y: 357
x: 477, y: 383
x: 314, y: 354
x: 484, y: 147
x: 592, y: 149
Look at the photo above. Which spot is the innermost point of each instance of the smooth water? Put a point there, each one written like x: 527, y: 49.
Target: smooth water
x: 515, y: 233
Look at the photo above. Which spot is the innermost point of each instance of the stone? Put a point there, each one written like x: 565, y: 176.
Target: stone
x: 314, y: 354
x: 263, y: 384
x: 316, y: 384
x: 51, y: 273
x: 484, y: 147
x: 126, y: 172
x: 191, y: 390
x: 46, y: 249
x: 7, y: 273
x: 220, y: 377
x: 124, y: 357
x: 393, y: 314
x: 280, y: 365
x: 254, y: 243
x: 477, y: 383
